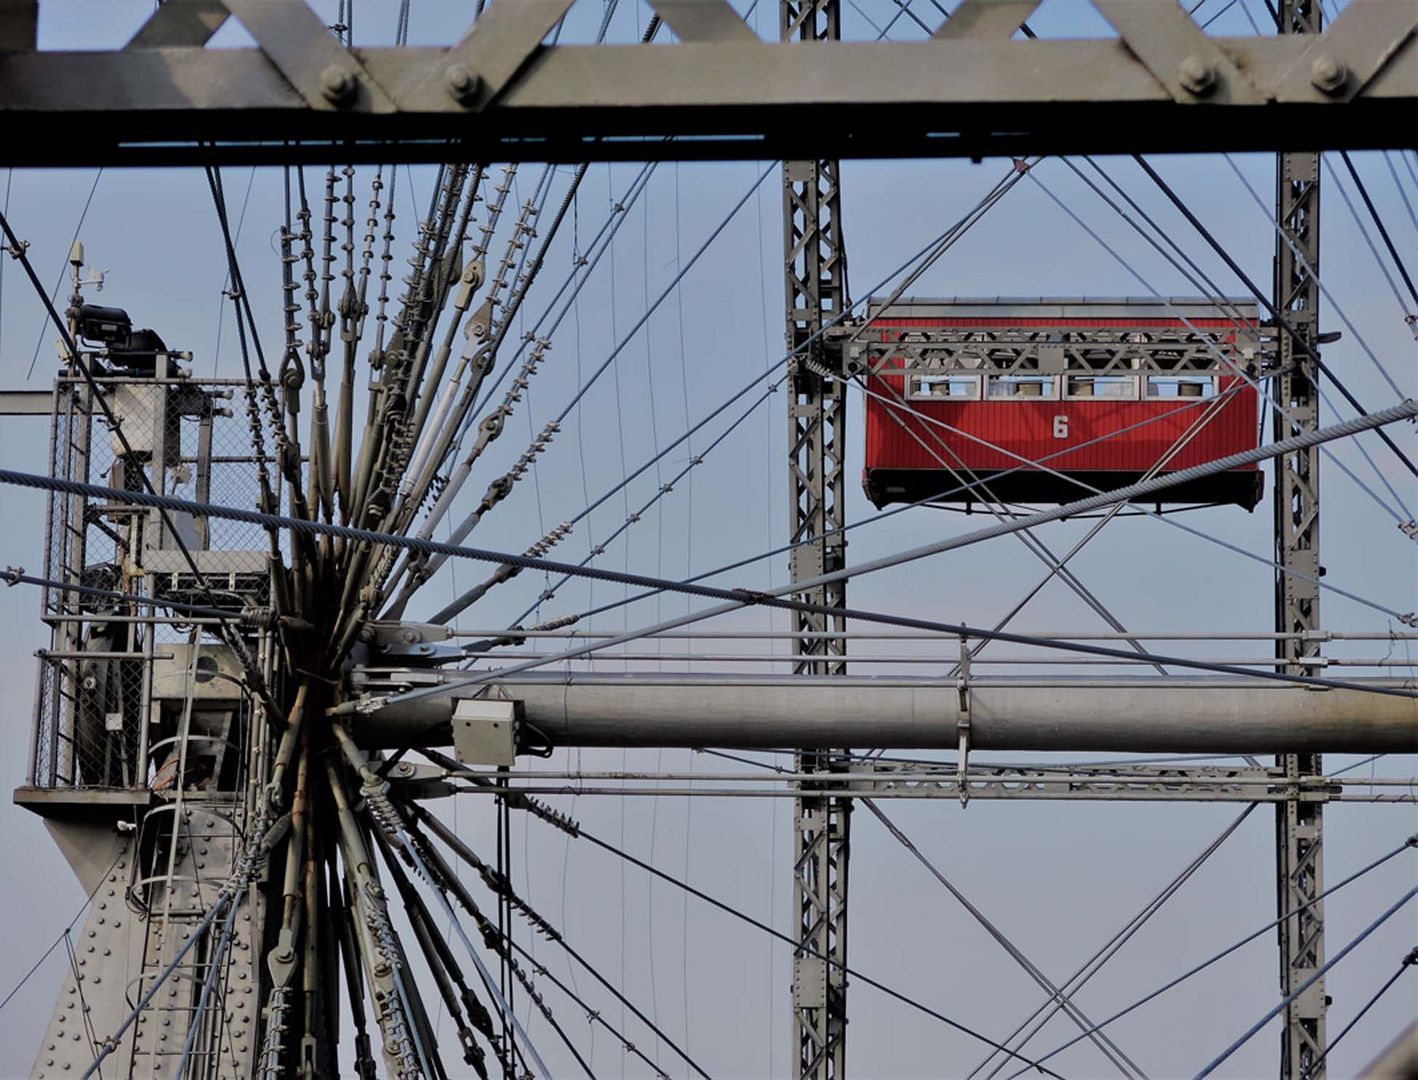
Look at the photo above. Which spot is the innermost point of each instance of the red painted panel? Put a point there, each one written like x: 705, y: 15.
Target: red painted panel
x: 897, y: 440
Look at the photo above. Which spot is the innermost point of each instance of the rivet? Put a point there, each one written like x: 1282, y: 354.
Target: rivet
x: 463, y: 83
x: 337, y: 84
x: 1328, y: 74
x: 1197, y: 76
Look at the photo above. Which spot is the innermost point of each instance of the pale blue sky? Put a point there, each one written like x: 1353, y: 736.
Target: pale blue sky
x: 1057, y: 878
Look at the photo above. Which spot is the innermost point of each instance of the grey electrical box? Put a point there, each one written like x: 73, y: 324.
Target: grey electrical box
x: 484, y: 731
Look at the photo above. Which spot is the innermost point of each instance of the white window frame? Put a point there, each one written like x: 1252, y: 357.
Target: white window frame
x: 1158, y: 378
x: 1051, y: 392
x: 1112, y: 378
x: 912, y: 374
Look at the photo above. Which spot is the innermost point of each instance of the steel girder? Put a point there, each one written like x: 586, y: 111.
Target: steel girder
x: 815, y: 264
x: 1099, y: 352
x: 1299, y: 825
x: 499, y: 94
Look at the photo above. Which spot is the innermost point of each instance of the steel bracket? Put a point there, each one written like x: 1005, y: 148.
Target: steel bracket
x: 487, y: 59
x: 1338, y: 64
x: 326, y: 74
x: 962, y: 722
x: 1190, y: 66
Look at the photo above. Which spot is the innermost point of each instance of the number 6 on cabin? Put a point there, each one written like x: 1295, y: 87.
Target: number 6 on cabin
x: 1094, y: 390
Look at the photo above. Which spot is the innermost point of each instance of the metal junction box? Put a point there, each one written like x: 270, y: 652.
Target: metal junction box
x: 485, y: 731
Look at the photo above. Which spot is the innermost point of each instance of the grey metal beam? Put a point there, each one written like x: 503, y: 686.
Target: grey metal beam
x: 1130, y: 783
x: 1299, y: 827
x: 26, y: 402
x: 965, y: 95
x: 1104, y: 715
x: 815, y: 278
x: 19, y: 23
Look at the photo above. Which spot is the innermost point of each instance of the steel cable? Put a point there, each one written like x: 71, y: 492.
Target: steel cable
x: 1410, y: 843
x: 737, y: 598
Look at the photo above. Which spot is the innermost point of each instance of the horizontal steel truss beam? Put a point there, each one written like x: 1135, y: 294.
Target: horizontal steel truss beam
x: 1137, y: 715
x: 1005, y: 351
x: 720, y: 93
x: 1130, y: 783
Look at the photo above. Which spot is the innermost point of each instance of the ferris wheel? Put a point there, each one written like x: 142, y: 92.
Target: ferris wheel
x: 451, y: 670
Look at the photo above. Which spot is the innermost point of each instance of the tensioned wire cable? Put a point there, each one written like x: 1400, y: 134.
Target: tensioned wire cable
x: 773, y: 598
x: 738, y: 598
x: 608, y: 230
x: 1409, y: 317
x: 682, y: 269
x: 1196, y: 275
x: 1398, y: 184
x: 1167, y: 518
x: 59, y: 282
x: 1339, y: 310
x: 1198, y: 424
x: 1105, y: 1045
x: 1383, y: 232
x: 1278, y: 316
x: 1034, y: 545
x: 1343, y: 468
x: 930, y: 251
x: 1095, y: 962
x: 1242, y: 374
x: 62, y: 934
x: 1114, y: 945
x: 1411, y: 842
x: 1409, y: 960
x: 884, y: 514
x: 465, y: 856
x: 466, y: 526
x: 1314, y: 978
x: 810, y: 951
x: 116, y: 427
x: 1261, y: 390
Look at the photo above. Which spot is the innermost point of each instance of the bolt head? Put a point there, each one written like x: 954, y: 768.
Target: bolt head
x: 338, y: 84
x: 1328, y: 74
x: 1196, y: 75
x: 463, y: 83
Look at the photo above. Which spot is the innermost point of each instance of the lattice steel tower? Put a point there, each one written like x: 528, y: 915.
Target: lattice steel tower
x: 1299, y: 839
x: 816, y: 267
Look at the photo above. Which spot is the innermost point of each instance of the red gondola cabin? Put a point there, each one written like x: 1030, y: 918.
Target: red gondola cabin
x: 975, y: 400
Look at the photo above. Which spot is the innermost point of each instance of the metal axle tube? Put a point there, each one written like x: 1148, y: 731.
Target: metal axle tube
x: 1107, y: 715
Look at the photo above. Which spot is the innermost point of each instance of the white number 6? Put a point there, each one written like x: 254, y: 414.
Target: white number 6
x: 1061, y: 427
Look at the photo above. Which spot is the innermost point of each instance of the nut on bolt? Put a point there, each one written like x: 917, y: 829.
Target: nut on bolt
x: 1328, y: 74
x: 1197, y: 76
x: 463, y: 83
x: 338, y: 84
